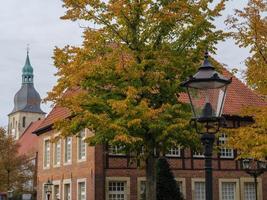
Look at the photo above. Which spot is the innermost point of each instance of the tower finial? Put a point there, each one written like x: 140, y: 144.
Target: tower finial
x: 28, y: 49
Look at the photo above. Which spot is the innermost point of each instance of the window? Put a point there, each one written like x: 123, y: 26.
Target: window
x: 225, y: 152
x: 142, y: 192
x: 174, y: 152
x: 249, y: 191
x: 117, y: 190
x: 67, y: 156
x: 199, y: 192
x: 228, y: 191
x: 56, y: 192
x: 81, y: 146
x: 116, y: 150
x: 23, y: 122
x: 81, y: 190
x: 67, y: 191
x: 57, y: 152
x: 46, y: 153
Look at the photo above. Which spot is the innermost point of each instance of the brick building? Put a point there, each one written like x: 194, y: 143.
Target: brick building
x: 79, y: 172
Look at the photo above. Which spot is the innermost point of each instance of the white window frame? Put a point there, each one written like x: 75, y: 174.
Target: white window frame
x: 43, y: 192
x: 171, y: 152
x: 114, y: 149
x: 78, y: 147
x: 54, y: 153
x: 237, y: 190
x: 183, y: 191
x: 139, y: 180
x: 44, y: 153
x: 193, y: 182
x: 244, y: 180
x: 82, y: 180
x: 118, y: 179
x: 67, y: 162
x: 56, y: 182
x: 65, y: 182
x: 222, y: 140
x: 198, y: 154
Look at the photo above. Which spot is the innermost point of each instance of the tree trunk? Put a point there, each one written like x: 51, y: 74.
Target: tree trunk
x: 151, y: 173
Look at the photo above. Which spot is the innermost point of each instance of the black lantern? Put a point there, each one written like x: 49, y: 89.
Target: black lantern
x: 206, y: 91
x: 254, y: 168
x: 48, y: 188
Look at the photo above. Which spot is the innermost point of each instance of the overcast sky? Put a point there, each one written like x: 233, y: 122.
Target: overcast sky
x: 36, y: 22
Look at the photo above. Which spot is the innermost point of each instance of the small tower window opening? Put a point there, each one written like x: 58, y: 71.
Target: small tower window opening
x: 23, y: 122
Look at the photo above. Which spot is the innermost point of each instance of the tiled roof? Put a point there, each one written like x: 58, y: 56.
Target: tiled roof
x: 29, y: 142
x: 57, y: 113
x: 238, y: 96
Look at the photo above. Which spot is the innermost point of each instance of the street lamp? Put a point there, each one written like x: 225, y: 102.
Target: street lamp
x: 48, y: 188
x: 254, y: 168
x: 206, y: 91
x: 9, y: 194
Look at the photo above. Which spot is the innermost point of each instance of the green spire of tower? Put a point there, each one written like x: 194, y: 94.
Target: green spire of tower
x: 27, y: 71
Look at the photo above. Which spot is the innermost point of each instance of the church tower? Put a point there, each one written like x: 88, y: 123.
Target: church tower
x: 26, y: 103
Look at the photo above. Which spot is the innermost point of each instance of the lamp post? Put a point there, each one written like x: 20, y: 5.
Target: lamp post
x: 206, y: 92
x: 254, y: 168
x: 48, y: 188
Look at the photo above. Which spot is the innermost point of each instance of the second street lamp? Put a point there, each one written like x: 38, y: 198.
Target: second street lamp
x: 254, y: 168
x: 206, y: 92
x: 48, y: 189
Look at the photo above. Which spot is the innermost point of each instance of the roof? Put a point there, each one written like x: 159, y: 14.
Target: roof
x: 27, y: 99
x: 238, y: 96
x: 27, y: 69
x: 56, y: 113
x: 29, y: 142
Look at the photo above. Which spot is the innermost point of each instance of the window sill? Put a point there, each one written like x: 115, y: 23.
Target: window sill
x: 67, y: 163
x: 81, y: 160
x: 56, y: 166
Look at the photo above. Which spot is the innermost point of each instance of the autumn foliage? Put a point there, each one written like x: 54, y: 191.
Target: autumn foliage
x: 134, y: 55
x: 249, y: 26
x: 15, y: 170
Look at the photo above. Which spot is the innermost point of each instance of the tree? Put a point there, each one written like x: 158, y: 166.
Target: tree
x: 250, y: 25
x: 128, y: 72
x: 15, y: 170
x: 167, y: 187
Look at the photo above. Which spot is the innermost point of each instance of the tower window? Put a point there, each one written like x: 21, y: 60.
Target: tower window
x: 23, y: 122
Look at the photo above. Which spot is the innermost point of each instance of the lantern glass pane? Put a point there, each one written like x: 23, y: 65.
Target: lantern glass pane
x: 262, y: 165
x: 246, y: 164
x: 207, y: 103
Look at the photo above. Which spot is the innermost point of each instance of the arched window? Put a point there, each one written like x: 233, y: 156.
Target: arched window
x: 23, y: 122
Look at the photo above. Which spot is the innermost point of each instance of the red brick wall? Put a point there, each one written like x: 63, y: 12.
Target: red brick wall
x: 74, y: 171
